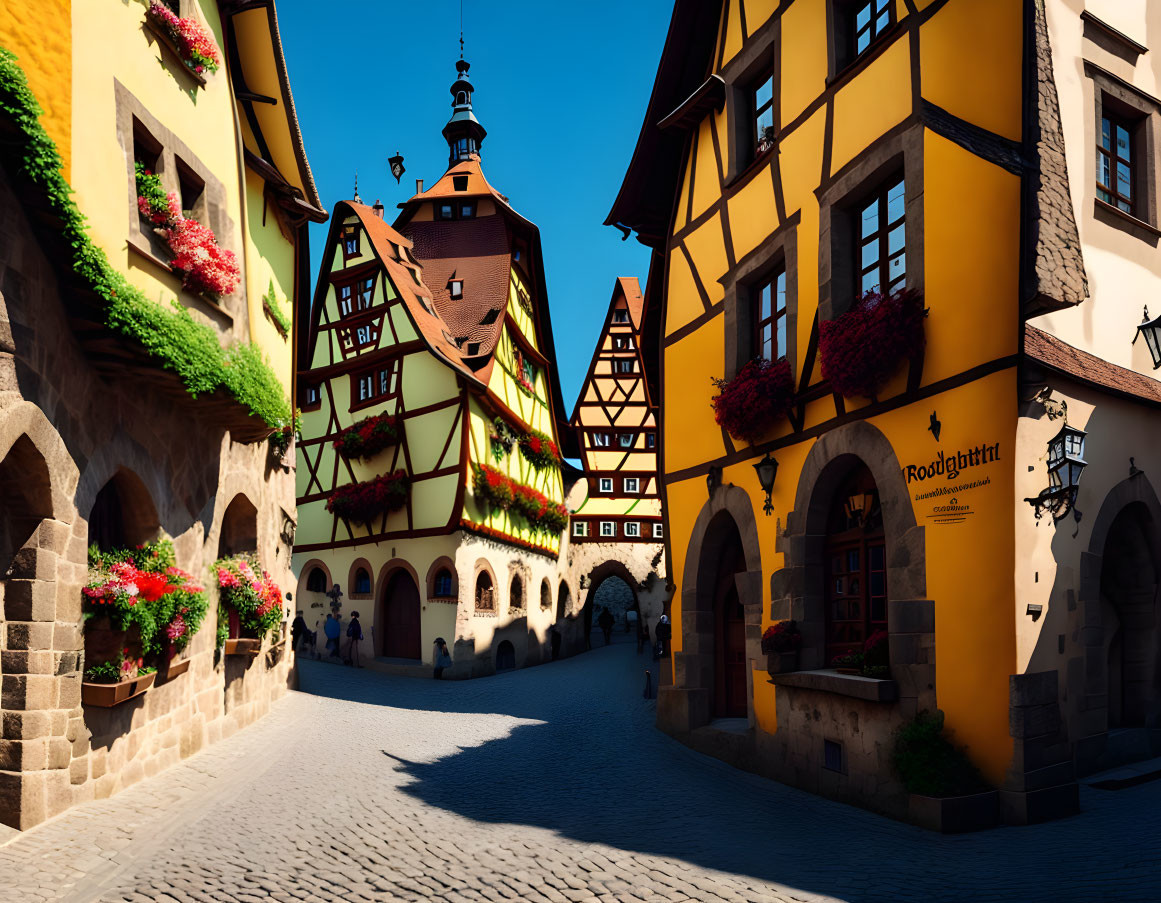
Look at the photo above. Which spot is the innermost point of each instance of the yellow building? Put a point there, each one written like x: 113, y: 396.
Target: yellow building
x: 436, y: 333
x: 889, y: 206
x: 154, y: 200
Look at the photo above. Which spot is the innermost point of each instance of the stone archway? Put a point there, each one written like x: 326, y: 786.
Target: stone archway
x: 600, y: 575
x: 1118, y: 604
x: 689, y: 702
x: 797, y: 588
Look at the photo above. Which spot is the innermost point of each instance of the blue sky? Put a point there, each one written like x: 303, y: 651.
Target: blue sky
x: 561, y: 89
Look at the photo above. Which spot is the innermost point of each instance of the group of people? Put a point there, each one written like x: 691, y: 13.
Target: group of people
x: 304, y: 640
x: 606, y: 621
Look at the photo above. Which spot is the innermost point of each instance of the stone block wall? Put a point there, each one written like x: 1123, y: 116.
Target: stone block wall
x: 66, y: 430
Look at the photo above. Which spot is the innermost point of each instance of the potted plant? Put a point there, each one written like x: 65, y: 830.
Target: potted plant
x: 750, y: 404
x: 252, y: 604
x: 876, y: 661
x: 501, y: 439
x: 192, y: 41
x: 947, y: 792
x: 363, y: 502
x: 114, y: 681
x: 780, y: 644
x: 863, y: 348
x: 368, y: 437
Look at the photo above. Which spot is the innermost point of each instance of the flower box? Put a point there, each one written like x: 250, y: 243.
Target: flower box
x: 363, y: 502
x: 243, y: 646
x: 863, y: 348
x: 749, y: 405
x: 955, y: 814
x: 186, y: 38
x: 367, y: 437
x: 539, y: 450
x: 781, y: 662
x: 106, y: 696
x: 175, y: 667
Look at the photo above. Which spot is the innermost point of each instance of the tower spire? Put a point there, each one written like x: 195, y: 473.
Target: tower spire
x: 463, y: 131
x: 358, y: 200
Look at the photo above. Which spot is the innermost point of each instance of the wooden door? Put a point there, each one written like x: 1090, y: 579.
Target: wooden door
x: 730, y: 697
x: 401, y: 617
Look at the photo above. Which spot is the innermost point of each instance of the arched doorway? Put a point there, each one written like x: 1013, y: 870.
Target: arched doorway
x: 855, y: 557
x: 399, y: 633
x: 1128, y: 592
x: 239, y: 534
x: 562, y: 600
x: 505, y: 656
x: 123, y: 514
x: 730, y: 696
x: 25, y: 498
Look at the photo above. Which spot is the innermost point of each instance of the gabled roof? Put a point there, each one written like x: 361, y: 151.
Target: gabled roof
x: 1056, y: 354
x: 262, y: 91
x: 477, y: 185
x: 634, y: 300
x: 646, y: 198
x: 396, y: 255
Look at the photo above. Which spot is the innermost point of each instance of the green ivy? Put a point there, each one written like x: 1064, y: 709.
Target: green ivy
x: 169, y: 334
x: 275, y: 307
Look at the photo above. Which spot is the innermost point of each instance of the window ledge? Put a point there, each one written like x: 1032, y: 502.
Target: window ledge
x: 447, y: 599
x: 1127, y: 222
x: 752, y: 168
x: 167, y: 42
x: 868, y: 56
x: 830, y: 681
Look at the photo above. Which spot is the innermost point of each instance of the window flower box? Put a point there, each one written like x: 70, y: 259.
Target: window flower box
x: 250, y: 604
x: 189, y: 40
x: 368, y: 437
x: 751, y: 404
x: 363, y: 502
x: 780, y: 643
x: 781, y: 662
x: 500, y: 492
x: 539, y: 450
x: 863, y: 348
x: 106, y: 695
x: 243, y: 646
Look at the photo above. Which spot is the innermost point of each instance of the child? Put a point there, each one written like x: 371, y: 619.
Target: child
x: 354, y: 637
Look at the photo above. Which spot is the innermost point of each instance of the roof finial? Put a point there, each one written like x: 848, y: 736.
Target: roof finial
x: 358, y: 200
x: 461, y: 29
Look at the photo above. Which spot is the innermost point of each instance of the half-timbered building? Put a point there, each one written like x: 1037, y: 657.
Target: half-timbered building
x: 883, y: 240
x: 436, y: 333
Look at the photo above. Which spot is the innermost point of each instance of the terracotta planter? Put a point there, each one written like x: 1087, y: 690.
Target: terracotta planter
x: 781, y: 662
x: 243, y: 646
x: 174, y: 667
x: 108, y: 695
x: 955, y: 814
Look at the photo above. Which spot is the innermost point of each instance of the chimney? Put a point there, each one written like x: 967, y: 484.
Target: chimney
x: 378, y: 208
x: 419, y: 186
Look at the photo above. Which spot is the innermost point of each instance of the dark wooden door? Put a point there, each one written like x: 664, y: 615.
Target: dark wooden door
x: 729, y: 637
x: 401, y: 617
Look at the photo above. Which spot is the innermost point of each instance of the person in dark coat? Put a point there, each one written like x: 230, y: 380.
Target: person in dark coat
x: 441, y: 658
x: 297, y: 629
x: 663, y: 632
x: 354, y: 637
x: 605, y: 621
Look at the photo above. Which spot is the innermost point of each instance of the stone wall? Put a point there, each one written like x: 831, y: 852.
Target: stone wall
x: 66, y: 430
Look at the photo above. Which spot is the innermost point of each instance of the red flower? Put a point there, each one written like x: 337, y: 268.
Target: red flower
x: 863, y: 348
x: 750, y: 404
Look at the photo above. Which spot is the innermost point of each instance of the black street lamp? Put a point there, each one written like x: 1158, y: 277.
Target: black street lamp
x: 1151, y: 330
x: 767, y: 470
x: 1065, y: 463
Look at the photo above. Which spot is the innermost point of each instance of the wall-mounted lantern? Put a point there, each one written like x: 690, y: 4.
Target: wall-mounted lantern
x: 1065, y: 463
x: 767, y: 470
x: 1151, y: 330
x: 396, y: 164
x: 859, y: 505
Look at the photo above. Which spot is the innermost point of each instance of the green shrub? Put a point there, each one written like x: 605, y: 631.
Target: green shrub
x: 928, y: 763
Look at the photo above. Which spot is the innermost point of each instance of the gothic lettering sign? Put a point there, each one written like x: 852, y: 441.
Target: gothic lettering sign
x: 948, y: 484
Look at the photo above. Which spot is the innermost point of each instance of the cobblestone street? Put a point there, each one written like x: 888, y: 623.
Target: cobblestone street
x: 543, y: 784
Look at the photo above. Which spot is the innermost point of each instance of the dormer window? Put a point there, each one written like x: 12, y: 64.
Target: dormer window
x: 350, y: 241
x: 621, y: 315
x: 456, y: 289
x: 460, y: 183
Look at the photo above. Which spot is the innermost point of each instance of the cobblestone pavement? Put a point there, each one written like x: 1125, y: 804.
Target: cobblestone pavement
x: 544, y: 784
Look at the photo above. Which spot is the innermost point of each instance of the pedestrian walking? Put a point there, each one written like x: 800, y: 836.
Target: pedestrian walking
x: 332, y: 629
x: 354, y: 637
x: 605, y: 621
x: 664, y: 632
x: 297, y: 630
x: 441, y: 658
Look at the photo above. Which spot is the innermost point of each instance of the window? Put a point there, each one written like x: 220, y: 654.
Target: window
x: 601, y: 440
x: 625, y: 440
x: 623, y: 343
x: 443, y: 584
x: 621, y: 315
x: 146, y: 149
x: 311, y: 396
x: 461, y: 100
x: 632, y: 528
x: 467, y: 209
x: 374, y: 385
x: 658, y: 531
x: 608, y: 528
x: 362, y: 336
x: 1115, y: 163
x: 350, y: 241
x: 580, y: 528
x: 444, y: 211
x: 882, y: 240
x: 490, y: 317
x: 191, y: 187
x: 345, y: 293
x: 316, y: 581
x: 867, y: 19
x: 456, y: 288
x: 625, y: 366
x: 606, y: 484
x: 362, y: 582
x: 366, y: 291
x: 460, y: 183
x: 762, y: 134
x: 529, y: 371
x: 516, y: 594
x: 770, y: 318
x: 650, y: 440
x: 485, y: 593
x: 632, y: 484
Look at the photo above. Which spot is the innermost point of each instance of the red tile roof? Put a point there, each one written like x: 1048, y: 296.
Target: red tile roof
x: 1084, y: 367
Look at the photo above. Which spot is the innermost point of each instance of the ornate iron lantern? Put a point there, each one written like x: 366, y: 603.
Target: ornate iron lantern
x: 767, y: 470
x: 396, y: 164
x: 1065, y: 463
x: 1151, y: 330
